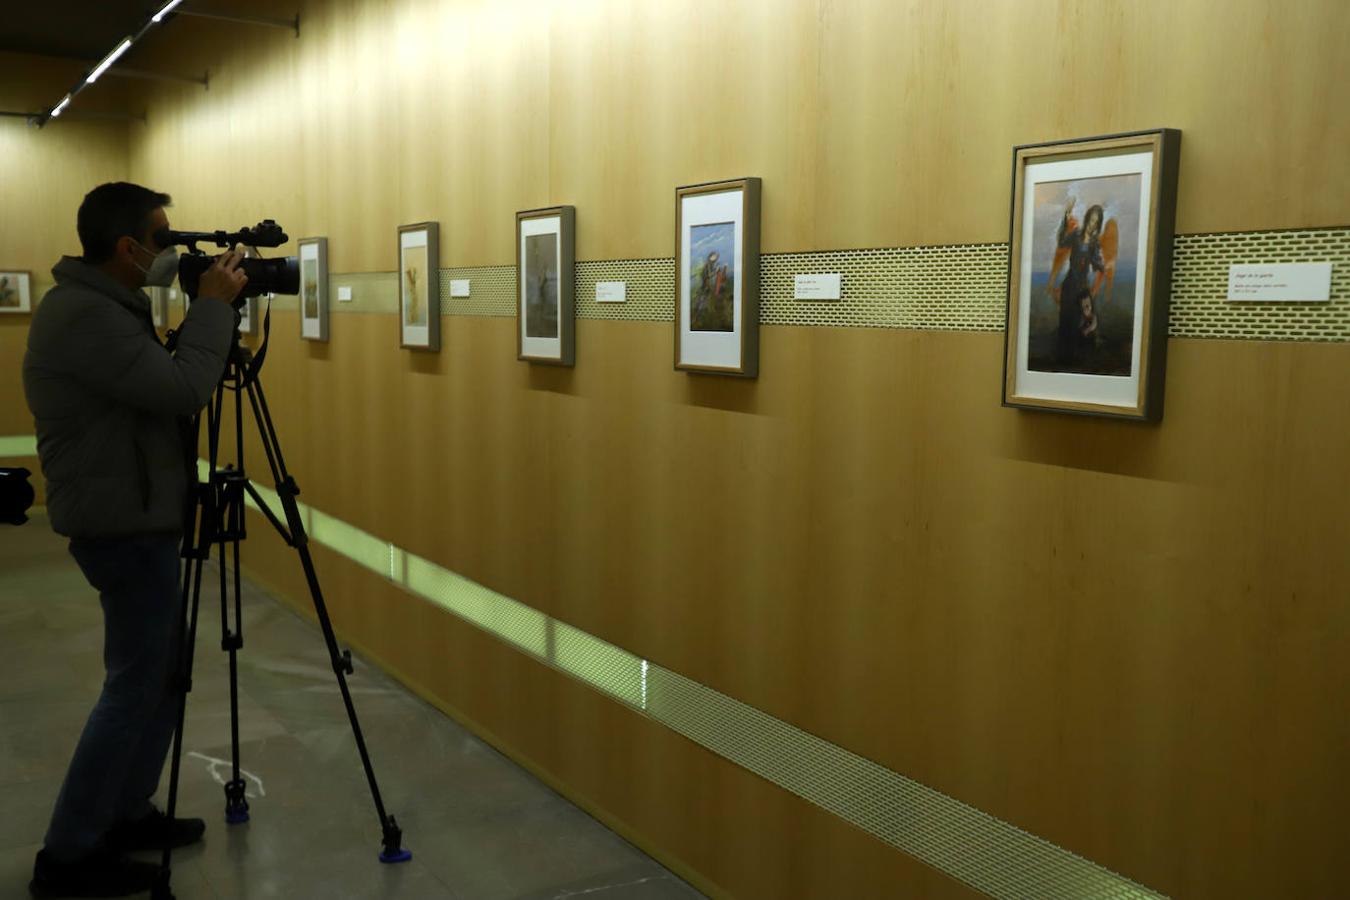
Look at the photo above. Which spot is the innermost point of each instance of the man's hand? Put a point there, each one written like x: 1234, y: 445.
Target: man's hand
x: 224, y: 280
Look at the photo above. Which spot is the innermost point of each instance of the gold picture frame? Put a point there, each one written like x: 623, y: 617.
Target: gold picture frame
x: 1089, y: 274
x: 717, y: 231
x: 419, y: 291
x: 546, y: 286
x: 16, y: 291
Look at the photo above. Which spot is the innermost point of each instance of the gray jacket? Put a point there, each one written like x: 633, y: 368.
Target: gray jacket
x: 107, y: 399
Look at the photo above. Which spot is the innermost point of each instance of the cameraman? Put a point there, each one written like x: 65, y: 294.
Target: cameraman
x: 108, y: 400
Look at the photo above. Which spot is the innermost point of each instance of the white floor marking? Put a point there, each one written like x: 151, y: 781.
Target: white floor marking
x: 218, y: 767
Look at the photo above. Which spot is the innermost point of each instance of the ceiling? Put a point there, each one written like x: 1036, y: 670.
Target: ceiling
x: 72, y: 29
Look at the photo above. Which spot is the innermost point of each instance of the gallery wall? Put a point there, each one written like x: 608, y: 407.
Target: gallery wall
x: 1128, y: 640
x: 43, y: 176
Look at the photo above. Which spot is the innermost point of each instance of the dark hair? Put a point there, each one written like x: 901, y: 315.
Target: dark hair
x: 115, y: 210
x: 1088, y: 215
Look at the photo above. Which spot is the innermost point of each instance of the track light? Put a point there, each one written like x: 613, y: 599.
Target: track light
x: 108, y: 60
x: 165, y: 11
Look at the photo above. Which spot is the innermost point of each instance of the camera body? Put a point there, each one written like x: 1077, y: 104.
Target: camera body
x: 278, y: 275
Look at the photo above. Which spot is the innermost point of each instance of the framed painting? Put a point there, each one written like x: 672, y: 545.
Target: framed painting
x: 159, y: 306
x: 717, y: 277
x: 313, y: 253
x: 419, y: 286
x: 248, y: 315
x: 546, y: 281
x: 16, y: 291
x: 1089, y: 273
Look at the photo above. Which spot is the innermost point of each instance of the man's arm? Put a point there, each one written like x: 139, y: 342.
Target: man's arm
x: 112, y: 353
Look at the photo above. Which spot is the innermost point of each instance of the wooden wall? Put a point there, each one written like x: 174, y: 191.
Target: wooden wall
x: 876, y: 123
x: 1129, y: 640
x: 43, y: 177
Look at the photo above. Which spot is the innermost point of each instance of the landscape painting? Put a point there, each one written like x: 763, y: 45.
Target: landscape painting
x: 14, y: 292
x: 309, y: 287
x: 414, y: 287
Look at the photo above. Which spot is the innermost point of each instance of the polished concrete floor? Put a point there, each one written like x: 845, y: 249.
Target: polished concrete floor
x: 479, y: 826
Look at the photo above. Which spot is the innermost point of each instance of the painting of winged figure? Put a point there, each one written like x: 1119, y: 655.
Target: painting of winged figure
x: 712, y: 304
x: 1085, y: 242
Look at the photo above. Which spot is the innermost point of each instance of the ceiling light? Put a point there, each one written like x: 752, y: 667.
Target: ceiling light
x: 108, y: 61
x: 165, y: 11
x: 60, y: 106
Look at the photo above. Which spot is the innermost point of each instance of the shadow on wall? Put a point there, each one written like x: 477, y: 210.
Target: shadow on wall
x: 555, y: 379
x: 1091, y: 443
x: 426, y: 362
x: 721, y: 392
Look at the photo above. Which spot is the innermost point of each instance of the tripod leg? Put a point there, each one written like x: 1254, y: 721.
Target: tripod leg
x: 231, y: 505
x: 236, y: 806
x: 198, y: 526
x: 392, y: 835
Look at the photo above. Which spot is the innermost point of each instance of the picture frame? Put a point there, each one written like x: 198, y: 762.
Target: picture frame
x: 717, y: 231
x: 419, y: 290
x: 313, y: 257
x: 248, y: 315
x: 159, y: 307
x: 546, y: 286
x: 1089, y: 274
x: 16, y: 291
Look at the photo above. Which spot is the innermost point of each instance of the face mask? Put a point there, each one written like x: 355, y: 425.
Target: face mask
x: 163, y: 268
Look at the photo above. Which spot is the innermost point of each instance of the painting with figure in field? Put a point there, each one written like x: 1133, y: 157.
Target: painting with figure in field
x: 712, y: 281
x: 14, y: 288
x: 1084, y: 261
x: 415, y: 302
x: 541, y: 285
x: 309, y: 287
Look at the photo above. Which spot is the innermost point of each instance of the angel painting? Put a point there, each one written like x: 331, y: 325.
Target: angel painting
x: 712, y: 303
x: 1090, y: 328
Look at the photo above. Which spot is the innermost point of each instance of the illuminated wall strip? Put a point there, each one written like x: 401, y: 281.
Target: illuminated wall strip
x: 974, y: 847
x: 18, y: 446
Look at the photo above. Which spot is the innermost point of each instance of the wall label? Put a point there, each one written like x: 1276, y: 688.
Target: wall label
x: 459, y: 287
x: 1280, y: 281
x: 817, y: 287
x: 611, y: 291
x: 344, y: 293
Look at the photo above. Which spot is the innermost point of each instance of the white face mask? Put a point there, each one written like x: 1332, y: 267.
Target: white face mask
x: 163, y: 268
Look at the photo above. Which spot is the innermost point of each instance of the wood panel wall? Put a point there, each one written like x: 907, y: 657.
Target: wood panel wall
x: 43, y: 177
x: 1129, y: 640
x: 876, y: 123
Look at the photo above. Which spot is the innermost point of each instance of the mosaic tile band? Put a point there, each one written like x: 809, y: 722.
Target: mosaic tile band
x: 952, y: 288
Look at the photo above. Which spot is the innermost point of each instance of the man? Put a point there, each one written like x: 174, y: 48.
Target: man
x: 108, y: 400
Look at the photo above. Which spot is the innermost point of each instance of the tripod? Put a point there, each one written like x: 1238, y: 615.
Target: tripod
x: 216, y: 518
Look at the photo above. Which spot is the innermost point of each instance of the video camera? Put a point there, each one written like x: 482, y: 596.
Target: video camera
x: 279, y: 275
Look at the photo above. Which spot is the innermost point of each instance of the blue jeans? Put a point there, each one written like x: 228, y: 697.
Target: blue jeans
x: 121, y: 752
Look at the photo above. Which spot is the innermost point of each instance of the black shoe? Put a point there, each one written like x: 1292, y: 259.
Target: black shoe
x: 101, y: 874
x: 155, y: 832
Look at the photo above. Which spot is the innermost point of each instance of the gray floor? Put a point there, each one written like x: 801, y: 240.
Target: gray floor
x: 478, y: 825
